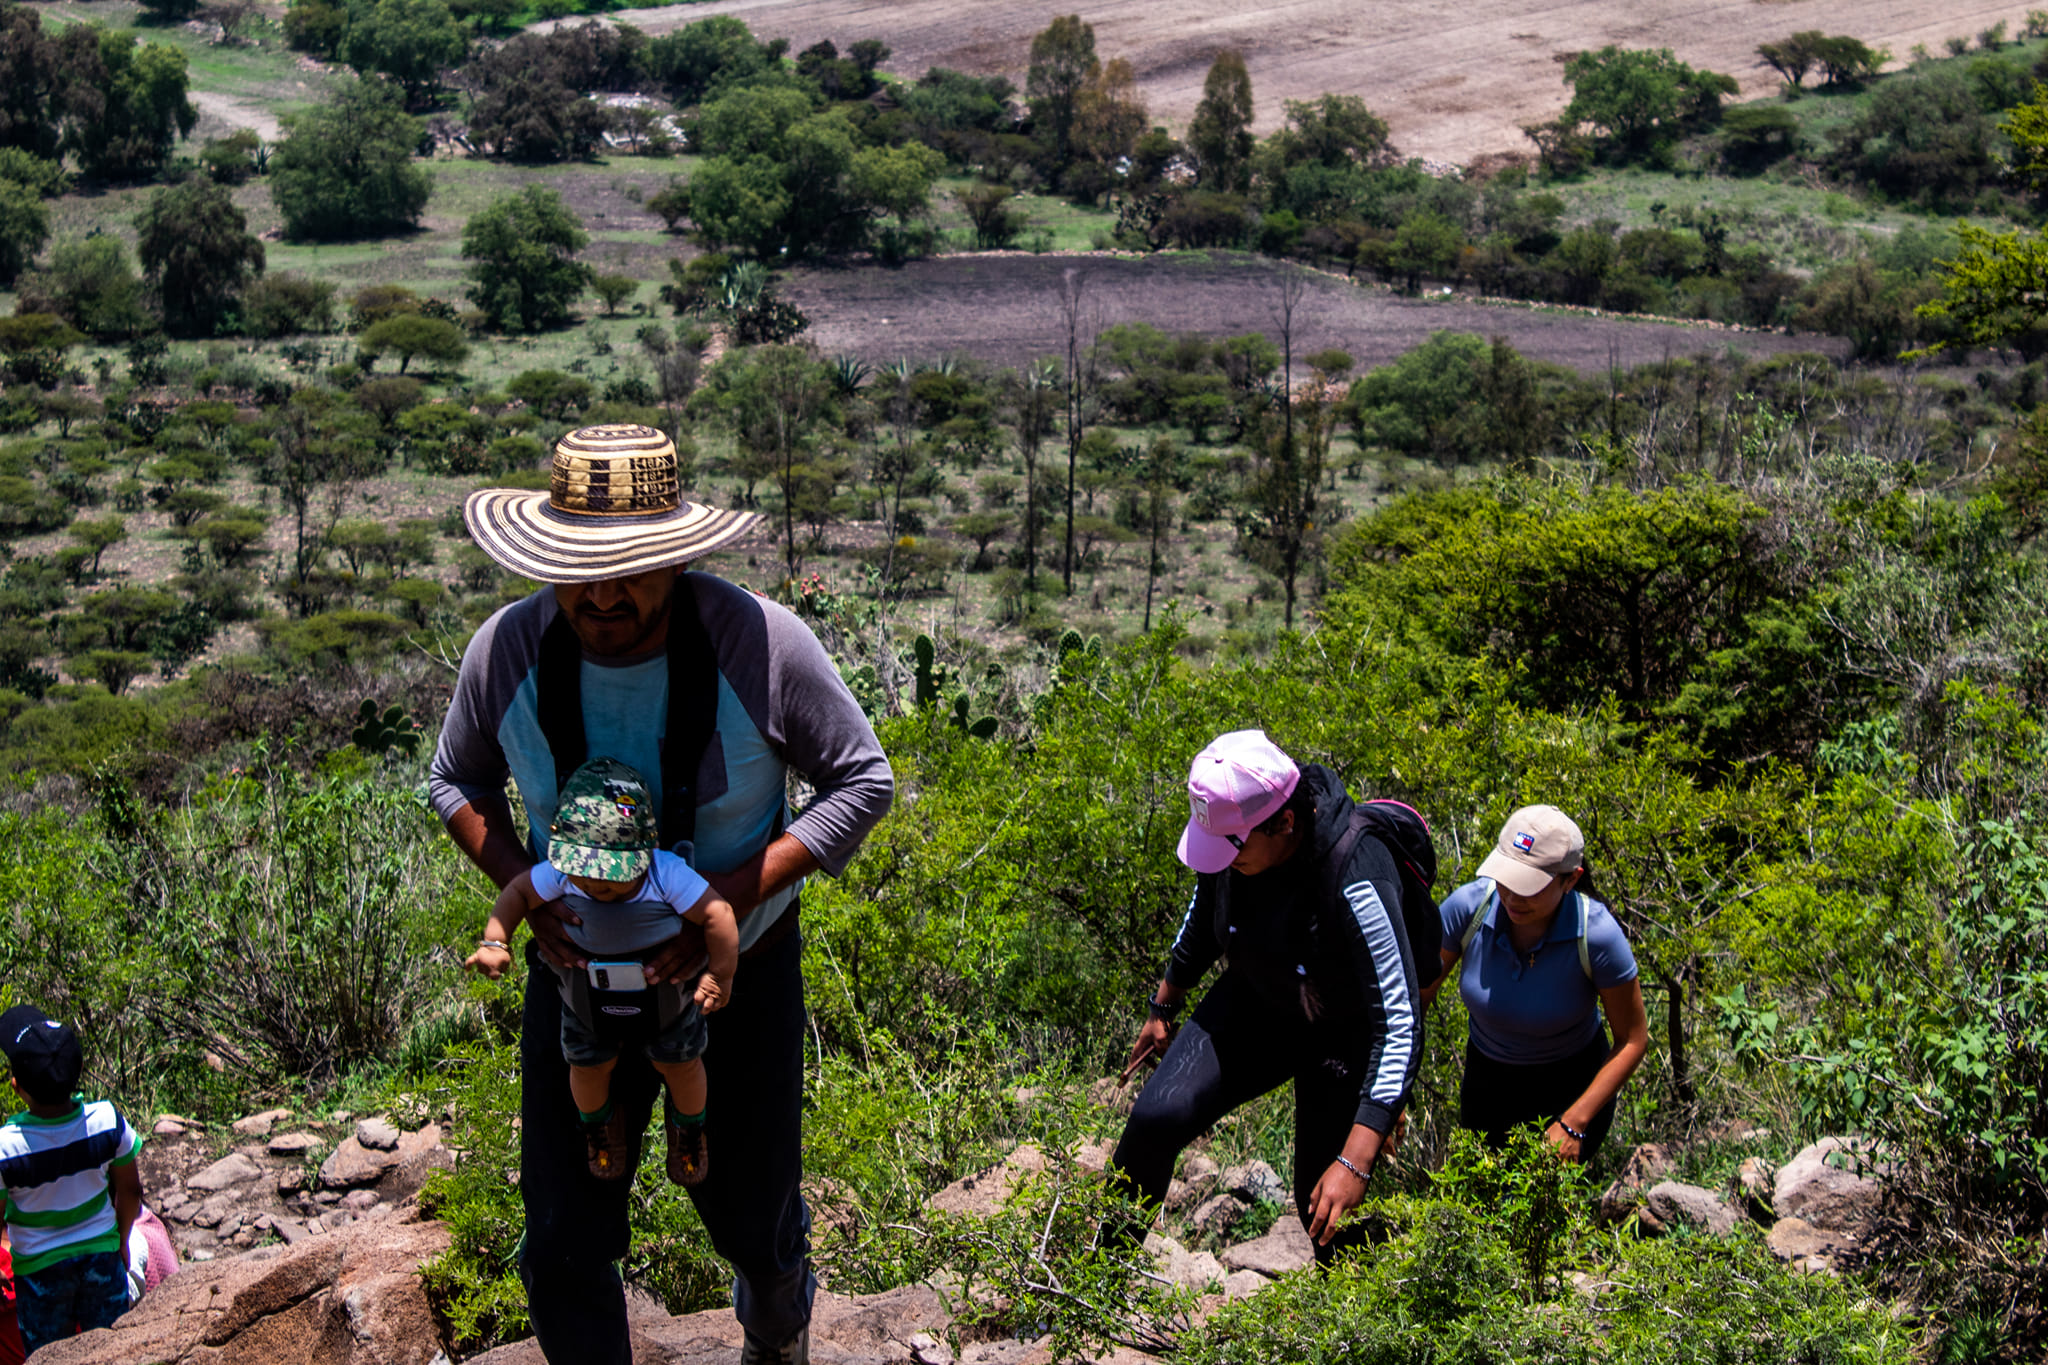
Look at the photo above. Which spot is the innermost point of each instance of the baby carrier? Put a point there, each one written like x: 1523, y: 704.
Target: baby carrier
x: 625, y: 1017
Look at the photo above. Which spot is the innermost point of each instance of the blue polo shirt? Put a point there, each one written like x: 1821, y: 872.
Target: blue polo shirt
x: 1527, y: 1009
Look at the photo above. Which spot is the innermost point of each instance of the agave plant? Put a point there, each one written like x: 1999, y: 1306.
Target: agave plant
x: 849, y: 372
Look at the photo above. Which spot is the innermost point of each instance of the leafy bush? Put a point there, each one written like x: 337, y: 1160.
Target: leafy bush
x: 286, y: 305
x: 1447, y: 1285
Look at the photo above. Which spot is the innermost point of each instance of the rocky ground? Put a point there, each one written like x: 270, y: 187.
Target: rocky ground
x: 302, y: 1242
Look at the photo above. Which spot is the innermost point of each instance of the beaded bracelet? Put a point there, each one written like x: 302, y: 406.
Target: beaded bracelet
x: 1345, y: 1162
x: 1570, y: 1131
x: 492, y: 943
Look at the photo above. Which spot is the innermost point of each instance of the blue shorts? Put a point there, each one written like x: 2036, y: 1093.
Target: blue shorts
x: 70, y: 1296
x: 682, y: 1041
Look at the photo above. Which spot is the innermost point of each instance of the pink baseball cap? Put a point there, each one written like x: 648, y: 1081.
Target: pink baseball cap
x: 1235, y: 784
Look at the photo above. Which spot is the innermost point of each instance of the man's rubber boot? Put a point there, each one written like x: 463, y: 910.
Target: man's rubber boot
x: 795, y: 1351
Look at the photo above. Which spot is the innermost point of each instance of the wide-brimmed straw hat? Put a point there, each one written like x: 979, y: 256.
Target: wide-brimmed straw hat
x: 614, y: 507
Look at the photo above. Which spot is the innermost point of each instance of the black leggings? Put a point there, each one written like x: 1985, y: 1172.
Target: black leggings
x: 1498, y: 1096
x: 1235, y: 1049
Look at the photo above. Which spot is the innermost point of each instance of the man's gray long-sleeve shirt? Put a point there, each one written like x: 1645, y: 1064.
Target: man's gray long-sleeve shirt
x: 781, y: 705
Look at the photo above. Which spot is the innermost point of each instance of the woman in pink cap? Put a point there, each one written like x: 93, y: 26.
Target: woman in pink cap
x: 1320, y: 987
x: 1542, y: 959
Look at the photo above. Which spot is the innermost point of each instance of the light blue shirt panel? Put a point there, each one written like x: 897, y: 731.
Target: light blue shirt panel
x: 731, y: 828
x: 614, y: 702
x: 1527, y: 1010
x: 754, y: 806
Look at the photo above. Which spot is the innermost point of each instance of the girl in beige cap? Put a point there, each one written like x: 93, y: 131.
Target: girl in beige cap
x: 1543, y: 958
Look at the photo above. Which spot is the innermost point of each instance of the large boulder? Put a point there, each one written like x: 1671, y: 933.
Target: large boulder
x: 1253, y: 1182
x: 873, y: 1329
x: 1284, y: 1248
x: 1671, y: 1204
x: 352, y: 1165
x: 350, y: 1298
x: 1831, y: 1184
x: 1196, y: 1270
x: 1806, y: 1247
x: 233, y: 1169
x: 987, y: 1191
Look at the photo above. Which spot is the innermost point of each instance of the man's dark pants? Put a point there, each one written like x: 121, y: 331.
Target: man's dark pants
x: 576, y: 1224
x: 1234, y: 1049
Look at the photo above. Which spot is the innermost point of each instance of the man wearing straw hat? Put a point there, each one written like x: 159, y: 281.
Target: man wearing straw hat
x: 713, y: 695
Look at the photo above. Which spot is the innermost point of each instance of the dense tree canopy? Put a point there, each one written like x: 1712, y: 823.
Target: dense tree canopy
x: 1220, y: 135
x: 46, y: 79
x: 522, y: 267
x: 783, y: 180
x: 197, y: 253
x: 1063, y: 62
x: 411, y: 41
x: 345, y: 169
x: 1641, y: 101
x: 143, y: 110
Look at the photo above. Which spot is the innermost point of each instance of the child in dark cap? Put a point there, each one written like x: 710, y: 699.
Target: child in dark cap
x: 630, y: 895
x: 72, y: 1188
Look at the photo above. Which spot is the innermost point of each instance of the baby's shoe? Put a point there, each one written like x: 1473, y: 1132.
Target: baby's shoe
x: 611, y: 1156
x: 689, y: 1160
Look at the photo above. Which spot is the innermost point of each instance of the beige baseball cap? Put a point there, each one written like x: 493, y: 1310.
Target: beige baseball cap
x: 1536, y: 844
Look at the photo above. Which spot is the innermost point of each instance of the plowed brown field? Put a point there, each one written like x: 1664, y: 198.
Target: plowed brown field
x: 1005, y: 309
x: 1455, y: 81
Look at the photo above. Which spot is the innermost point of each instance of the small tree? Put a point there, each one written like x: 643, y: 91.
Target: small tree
x: 410, y: 335
x: 996, y: 223
x: 24, y: 227
x: 197, y: 253
x: 1063, y: 62
x: 1221, y: 133
x: 99, y: 536
x: 613, y: 290
x: 522, y: 253
x: 345, y: 169
x: 1792, y: 58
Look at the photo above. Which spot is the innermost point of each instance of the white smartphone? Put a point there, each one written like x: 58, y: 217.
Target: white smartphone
x: 617, y: 976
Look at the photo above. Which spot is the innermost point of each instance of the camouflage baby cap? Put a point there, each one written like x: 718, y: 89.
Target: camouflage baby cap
x: 605, y: 824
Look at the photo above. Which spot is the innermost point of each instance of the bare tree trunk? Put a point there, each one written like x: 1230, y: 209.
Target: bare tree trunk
x: 1071, y: 285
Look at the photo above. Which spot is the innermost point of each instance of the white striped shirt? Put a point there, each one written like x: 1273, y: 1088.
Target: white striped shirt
x: 59, y: 1188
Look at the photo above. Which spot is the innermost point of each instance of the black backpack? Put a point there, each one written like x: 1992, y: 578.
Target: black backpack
x: 1406, y: 834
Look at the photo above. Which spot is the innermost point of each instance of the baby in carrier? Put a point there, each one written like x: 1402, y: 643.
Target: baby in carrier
x: 604, y: 861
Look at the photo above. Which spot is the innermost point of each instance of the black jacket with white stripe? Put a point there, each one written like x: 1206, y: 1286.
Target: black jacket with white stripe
x: 1319, y: 949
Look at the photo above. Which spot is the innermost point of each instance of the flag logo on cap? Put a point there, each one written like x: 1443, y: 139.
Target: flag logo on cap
x: 1524, y: 843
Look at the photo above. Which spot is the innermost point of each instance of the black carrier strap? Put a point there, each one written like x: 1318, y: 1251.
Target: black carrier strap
x: 692, y: 707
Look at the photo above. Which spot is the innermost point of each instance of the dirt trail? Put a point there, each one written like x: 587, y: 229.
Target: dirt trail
x: 1454, y: 80
x: 1005, y: 309
x: 224, y: 113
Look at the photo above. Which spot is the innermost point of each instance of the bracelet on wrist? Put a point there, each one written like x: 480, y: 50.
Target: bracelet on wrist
x: 1570, y: 1131
x: 1158, y: 1009
x: 499, y: 944
x: 1345, y: 1162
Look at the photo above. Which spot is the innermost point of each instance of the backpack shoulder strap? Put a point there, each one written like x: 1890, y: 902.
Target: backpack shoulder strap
x: 1340, y: 852
x: 558, y: 697
x: 1478, y: 915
